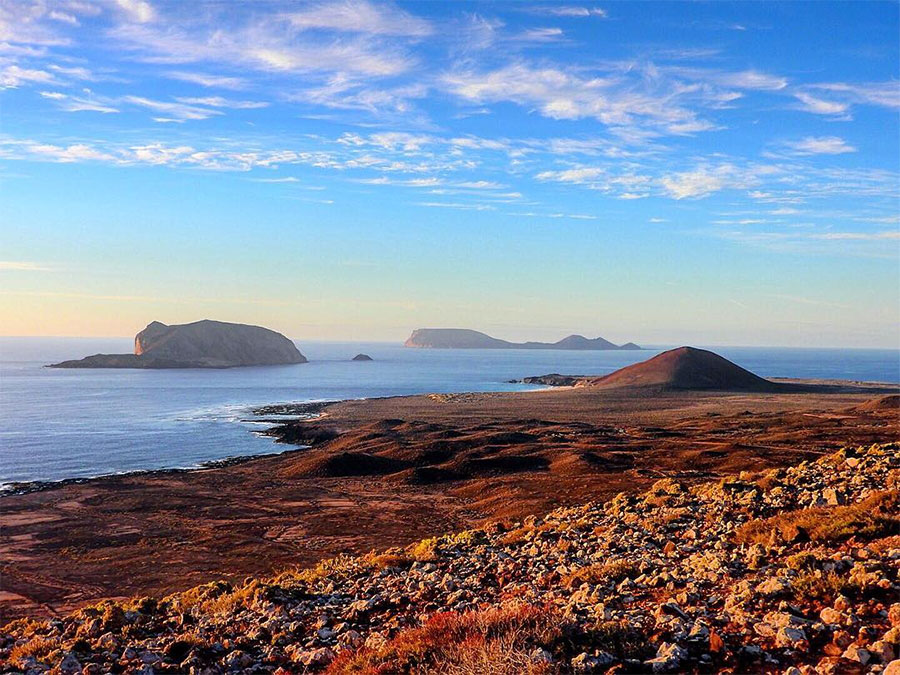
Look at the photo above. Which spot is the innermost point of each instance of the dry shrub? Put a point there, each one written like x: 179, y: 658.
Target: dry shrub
x: 821, y: 586
x: 388, y: 559
x: 38, y: 647
x: 494, y: 641
x: 522, y: 533
x: 425, y: 551
x: 803, y: 561
x: 871, y: 518
x: 339, y: 567
x: 614, y: 571
x: 198, y: 595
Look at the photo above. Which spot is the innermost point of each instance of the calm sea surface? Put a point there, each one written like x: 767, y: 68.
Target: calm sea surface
x: 57, y: 424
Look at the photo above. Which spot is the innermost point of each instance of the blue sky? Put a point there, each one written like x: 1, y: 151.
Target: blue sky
x: 713, y: 173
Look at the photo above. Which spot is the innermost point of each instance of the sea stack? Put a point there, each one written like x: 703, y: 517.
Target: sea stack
x: 202, y: 344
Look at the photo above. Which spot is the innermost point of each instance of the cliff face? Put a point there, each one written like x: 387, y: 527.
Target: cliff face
x: 202, y: 344
x: 462, y: 338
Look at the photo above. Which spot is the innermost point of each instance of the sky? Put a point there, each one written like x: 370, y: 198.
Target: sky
x: 667, y: 173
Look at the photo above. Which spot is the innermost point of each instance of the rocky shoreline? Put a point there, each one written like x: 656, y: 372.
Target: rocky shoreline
x: 296, y: 411
x: 28, y: 487
x: 792, y: 570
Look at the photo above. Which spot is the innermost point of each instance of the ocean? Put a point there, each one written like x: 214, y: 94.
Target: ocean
x: 59, y: 424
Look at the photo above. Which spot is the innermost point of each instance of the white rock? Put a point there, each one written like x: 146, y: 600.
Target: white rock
x: 788, y: 636
x: 854, y: 653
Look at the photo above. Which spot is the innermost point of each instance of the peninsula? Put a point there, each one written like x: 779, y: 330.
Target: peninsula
x: 464, y: 338
x: 201, y: 344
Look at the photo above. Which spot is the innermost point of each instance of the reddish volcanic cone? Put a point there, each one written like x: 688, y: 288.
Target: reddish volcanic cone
x: 686, y: 368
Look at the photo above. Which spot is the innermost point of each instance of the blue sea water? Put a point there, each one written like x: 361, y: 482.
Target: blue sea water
x: 57, y: 424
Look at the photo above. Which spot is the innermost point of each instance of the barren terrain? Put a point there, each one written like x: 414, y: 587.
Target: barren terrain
x: 386, y: 472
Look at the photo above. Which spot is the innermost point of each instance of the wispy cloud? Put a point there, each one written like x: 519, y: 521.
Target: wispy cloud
x: 820, y: 106
x: 693, y: 183
x: 23, y: 266
x: 457, y: 205
x: 14, y: 76
x: 359, y: 16
x: 569, y: 11
x: 272, y: 42
x: 886, y: 94
x: 208, y: 80
x: 137, y: 10
x: 819, y: 145
x: 219, y: 102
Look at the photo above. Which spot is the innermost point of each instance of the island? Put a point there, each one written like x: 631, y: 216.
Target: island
x: 464, y: 338
x: 361, y: 357
x: 201, y: 344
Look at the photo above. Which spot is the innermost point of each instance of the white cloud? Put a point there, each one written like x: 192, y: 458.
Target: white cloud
x: 857, y: 236
x: 579, y: 176
x: 698, y: 183
x: 481, y: 185
x: 64, y: 17
x: 571, y: 11
x: 207, y: 80
x: 885, y: 94
x: 820, y: 106
x: 178, y: 111
x: 457, y: 205
x: 540, y: 35
x: 822, y: 145
x: 219, y: 102
x: 13, y: 76
x: 77, y: 72
x: 752, y: 79
x: 263, y: 42
x: 22, y: 266
x: 137, y: 10
x: 631, y: 99
x: 359, y: 16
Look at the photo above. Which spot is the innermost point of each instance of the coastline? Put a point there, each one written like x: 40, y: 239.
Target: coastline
x: 383, y: 472
x: 307, y: 411
x: 313, y: 410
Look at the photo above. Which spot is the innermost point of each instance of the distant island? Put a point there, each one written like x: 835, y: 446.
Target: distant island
x: 361, y: 357
x: 463, y: 338
x: 201, y: 344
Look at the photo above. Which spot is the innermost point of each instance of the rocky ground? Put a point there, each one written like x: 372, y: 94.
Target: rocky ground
x: 792, y: 570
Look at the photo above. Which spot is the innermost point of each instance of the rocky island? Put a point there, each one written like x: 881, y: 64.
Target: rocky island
x: 201, y: 344
x: 464, y: 338
x: 361, y: 357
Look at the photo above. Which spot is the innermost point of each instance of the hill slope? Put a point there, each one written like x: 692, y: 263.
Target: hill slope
x: 464, y: 338
x: 685, y: 368
x: 790, y: 568
x: 202, y: 344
